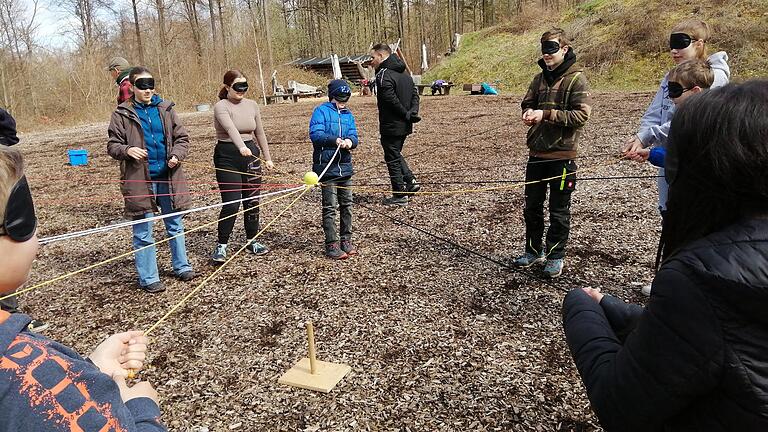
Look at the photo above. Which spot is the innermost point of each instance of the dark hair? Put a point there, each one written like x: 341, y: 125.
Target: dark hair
x: 136, y: 71
x: 382, y: 47
x: 716, y: 163
x: 558, y: 33
x: 229, y: 78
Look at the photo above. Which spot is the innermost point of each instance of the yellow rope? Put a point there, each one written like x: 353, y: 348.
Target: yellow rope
x: 99, y: 264
x: 194, y: 291
x: 479, y: 190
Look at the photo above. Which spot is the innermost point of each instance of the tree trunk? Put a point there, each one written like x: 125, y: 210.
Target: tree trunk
x: 138, y: 32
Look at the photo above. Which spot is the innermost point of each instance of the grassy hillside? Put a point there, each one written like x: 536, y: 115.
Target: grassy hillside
x: 622, y: 43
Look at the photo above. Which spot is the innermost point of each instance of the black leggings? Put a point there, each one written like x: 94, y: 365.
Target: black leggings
x: 236, y: 185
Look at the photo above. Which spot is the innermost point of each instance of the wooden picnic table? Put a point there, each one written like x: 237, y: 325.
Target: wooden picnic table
x: 446, y: 87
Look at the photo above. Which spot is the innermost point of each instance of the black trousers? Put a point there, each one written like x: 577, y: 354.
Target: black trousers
x: 399, y: 172
x: 561, y: 184
x: 245, y: 183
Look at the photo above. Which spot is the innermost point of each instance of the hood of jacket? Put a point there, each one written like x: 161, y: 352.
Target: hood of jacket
x: 719, y: 64
x: 736, y: 258
x: 551, y: 76
x: 392, y: 62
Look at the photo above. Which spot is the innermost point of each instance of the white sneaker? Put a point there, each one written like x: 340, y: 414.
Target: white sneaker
x: 646, y: 290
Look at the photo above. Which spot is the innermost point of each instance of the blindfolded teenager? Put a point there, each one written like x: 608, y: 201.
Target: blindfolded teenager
x: 241, y: 147
x: 147, y: 137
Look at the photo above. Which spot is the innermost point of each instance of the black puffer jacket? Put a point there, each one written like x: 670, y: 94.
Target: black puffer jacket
x: 696, y: 358
x: 396, y: 97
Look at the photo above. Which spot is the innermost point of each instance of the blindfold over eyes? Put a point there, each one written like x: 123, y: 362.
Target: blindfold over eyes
x: 679, y: 41
x: 675, y: 90
x: 240, y: 87
x: 144, y: 83
x: 20, y: 221
x: 550, y: 47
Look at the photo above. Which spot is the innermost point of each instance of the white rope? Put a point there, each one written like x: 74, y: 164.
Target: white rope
x: 97, y: 230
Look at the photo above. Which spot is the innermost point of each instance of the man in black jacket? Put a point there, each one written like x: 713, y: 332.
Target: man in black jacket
x: 398, y: 103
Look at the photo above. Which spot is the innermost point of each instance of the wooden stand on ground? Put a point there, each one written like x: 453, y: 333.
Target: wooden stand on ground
x: 312, y: 374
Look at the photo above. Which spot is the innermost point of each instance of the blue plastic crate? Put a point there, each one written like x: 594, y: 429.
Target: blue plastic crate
x: 78, y: 157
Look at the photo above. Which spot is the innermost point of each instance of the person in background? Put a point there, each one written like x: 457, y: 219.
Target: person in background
x: 119, y: 69
x: 398, y: 103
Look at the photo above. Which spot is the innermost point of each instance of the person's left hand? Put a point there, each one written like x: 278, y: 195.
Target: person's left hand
x: 121, y: 352
x: 594, y: 293
x: 269, y: 165
x: 173, y: 162
x: 536, y: 116
x: 347, y: 143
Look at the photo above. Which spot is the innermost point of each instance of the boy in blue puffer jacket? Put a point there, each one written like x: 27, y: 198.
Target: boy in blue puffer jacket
x: 333, y: 133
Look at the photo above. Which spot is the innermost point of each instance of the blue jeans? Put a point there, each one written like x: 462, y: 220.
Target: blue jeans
x: 146, y: 259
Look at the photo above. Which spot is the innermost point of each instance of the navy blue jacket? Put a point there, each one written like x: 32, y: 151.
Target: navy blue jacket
x: 327, y: 124
x: 47, y: 387
x: 694, y: 359
x: 154, y: 136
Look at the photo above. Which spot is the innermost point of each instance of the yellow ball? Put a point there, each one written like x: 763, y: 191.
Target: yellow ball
x: 310, y: 178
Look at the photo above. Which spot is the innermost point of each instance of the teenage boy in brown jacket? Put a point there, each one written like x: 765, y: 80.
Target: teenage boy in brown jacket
x: 556, y: 106
x: 147, y: 137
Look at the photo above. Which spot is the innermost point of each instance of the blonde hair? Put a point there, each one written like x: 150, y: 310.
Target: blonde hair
x: 693, y: 73
x: 11, y: 170
x: 697, y: 30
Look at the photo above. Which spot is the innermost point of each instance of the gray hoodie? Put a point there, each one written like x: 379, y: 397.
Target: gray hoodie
x: 654, y: 126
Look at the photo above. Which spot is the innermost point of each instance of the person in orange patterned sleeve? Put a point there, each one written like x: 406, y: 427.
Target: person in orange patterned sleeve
x: 44, y: 385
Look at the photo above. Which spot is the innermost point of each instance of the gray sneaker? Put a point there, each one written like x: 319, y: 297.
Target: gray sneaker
x: 219, y: 255
x: 528, y: 259
x: 257, y: 248
x: 396, y: 200
x: 333, y: 251
x: 554, y: 267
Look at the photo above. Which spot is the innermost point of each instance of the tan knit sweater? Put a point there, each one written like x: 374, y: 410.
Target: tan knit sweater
x: 237, y: 122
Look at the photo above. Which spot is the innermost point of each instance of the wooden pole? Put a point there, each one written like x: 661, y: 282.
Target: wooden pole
x: 311, y: 340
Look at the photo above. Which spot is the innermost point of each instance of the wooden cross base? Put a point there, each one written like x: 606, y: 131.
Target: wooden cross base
x: 325, y: 378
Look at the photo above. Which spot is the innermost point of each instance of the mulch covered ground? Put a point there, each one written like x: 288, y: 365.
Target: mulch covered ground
x: 438, y: 338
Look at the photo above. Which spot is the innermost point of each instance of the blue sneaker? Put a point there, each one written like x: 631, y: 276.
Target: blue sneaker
x: 257, y: 248
x: 554, y: 267
x: 528, y: 259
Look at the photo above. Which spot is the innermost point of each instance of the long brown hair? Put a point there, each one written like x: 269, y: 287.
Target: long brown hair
x: 229, y: 78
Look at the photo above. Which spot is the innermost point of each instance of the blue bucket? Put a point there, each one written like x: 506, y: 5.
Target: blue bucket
x: 78, y: 157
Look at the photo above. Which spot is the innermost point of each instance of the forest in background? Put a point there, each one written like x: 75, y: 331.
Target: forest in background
x: 188, y: 44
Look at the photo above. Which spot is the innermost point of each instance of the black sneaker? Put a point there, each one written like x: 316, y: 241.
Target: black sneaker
x: 187, y: 275
x: 396, y: 200
x: 37, y: 326
x: 413, y: 187
x: 154, y: 287
x: 348, y: 247
x: 333, y: 251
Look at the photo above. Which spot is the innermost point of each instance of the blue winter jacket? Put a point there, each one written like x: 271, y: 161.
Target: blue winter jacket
x: 327, y: 124
x: 154, y: 136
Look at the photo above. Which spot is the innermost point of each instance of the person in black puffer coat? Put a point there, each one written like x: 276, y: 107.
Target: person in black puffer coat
x: 696, y: 357
x: 398, y: 103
